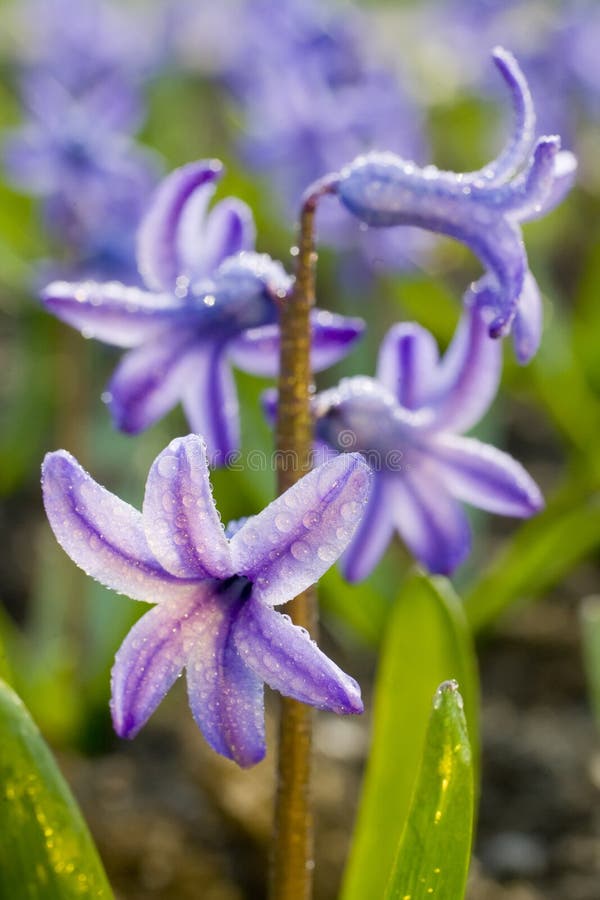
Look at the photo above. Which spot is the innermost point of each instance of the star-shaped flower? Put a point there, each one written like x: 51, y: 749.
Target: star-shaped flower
x: 408, y: 423
x: 210, y: 302
x: 214, y: 597
x: 482, y: 209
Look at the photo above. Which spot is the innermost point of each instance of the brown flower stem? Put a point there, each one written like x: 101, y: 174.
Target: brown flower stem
x: 293, y: 841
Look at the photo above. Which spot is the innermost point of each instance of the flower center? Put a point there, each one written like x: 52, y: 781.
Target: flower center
x: 237, y: 589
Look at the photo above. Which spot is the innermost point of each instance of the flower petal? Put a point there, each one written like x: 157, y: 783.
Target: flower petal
x: 468, y: 377
x: 372, y: 536
x: 528, y: 193
x: 147, y: 665
x: 407, y: 362
x: 517, y: 149
x: 226, y: 697
x: 27, y: 160
x: 206, y: 241
x: 113, y: 313
x: 485, y: 477
x: 291, y: 543
x: 182, y: 524
x: 564, y: 174
x: 102, y: 534
x: 150, y: 380
x: 332, y: 336
x: 283, y: 655
x: 158, y: 253
x: 431, y: 523
x: 210, y: 403
x: 528, y: 324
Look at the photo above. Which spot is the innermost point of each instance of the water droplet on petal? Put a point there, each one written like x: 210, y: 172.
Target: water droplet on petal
x: 300, y: 550
x: 167, y: 466
x: 349, y: 510
x: 311, y: 518
x: 284, y: 522
x: 327, y: 553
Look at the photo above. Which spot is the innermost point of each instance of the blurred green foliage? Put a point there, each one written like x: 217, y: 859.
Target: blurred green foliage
x: 46, y: 850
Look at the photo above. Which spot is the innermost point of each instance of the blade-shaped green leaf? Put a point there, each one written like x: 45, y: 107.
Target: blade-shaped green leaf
x: 435, y: 848
x: 427, y: 642
x: 538, y: 556
x: 46, y: 852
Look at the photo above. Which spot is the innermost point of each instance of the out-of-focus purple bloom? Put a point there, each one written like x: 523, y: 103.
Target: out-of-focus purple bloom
x: 482, y: 209
x: 95, y: 180
x: 214, y: 597
x: 408, y: 424
x: 75, y: 148
x: 311, y: 99
x: 81, y: 45
x: 211, y: 302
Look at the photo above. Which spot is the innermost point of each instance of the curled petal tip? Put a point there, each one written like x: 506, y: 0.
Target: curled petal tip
x: 501, y: 53
x: 547, y: 146
x: 355, y: 705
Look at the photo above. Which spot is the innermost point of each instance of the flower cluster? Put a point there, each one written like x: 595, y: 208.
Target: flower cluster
x: 397, y: 458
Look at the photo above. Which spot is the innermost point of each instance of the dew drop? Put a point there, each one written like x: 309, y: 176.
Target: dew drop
x: 168, y: 466
x: 326, y: 553
x: 311, y: 519
x: 284, y: 522
x: 300, y: 550
x: 349, y: 510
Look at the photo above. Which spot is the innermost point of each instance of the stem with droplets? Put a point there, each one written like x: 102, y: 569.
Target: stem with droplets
x: 293, y: 841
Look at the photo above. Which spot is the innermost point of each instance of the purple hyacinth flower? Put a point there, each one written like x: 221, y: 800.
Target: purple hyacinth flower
x: 211, y: 302
x: 482, y: 209
x: 85, y: 43
x: 408, y: 424
x: 95, y: 180
x: 214, y: 596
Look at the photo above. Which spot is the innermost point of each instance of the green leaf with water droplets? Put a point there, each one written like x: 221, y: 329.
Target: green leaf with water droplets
x: 427, y: 641
x: 435, y: 849
x: 46, y: 852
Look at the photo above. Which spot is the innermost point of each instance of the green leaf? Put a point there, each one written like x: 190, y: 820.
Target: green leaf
x: 540, y: 554
x: 435, y: 849
x: 427, y: 642
x: 46, y: 852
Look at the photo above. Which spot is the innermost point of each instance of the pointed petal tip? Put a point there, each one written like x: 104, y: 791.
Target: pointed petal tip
x: 126, y: 729
x: 547, y: 147
x: 247, y: 759
x: 354, y: 705
x: 56, y: 465
x: 352, y: 467
x: 534, y: 501
x: 124, y: 723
